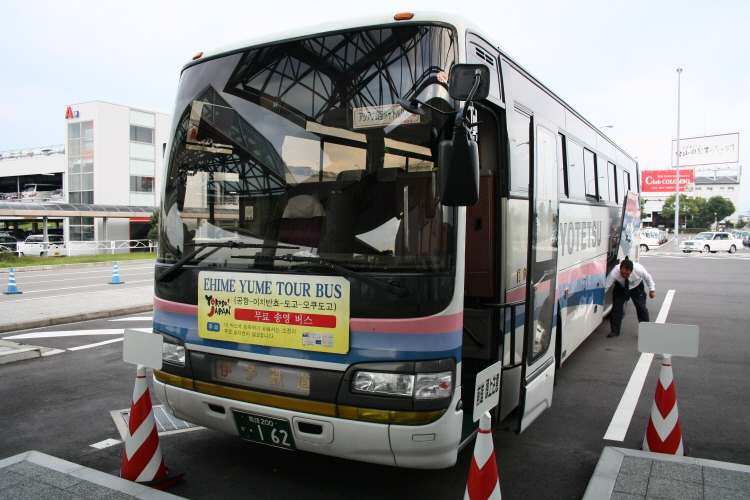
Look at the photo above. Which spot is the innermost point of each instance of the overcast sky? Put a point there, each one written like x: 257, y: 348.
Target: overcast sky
x: 614, y: 61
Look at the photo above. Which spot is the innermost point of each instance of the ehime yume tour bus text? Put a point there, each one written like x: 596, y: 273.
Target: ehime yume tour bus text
x: 357, y: 221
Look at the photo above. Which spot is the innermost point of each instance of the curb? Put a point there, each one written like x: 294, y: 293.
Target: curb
x: 118, y: 486
x: 74, y: 318
x: 48, y: 267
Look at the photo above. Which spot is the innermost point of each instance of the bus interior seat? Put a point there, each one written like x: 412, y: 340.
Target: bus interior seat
x: 301, y: 221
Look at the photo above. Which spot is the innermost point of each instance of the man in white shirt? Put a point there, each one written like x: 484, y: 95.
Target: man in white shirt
x: 628, y: 279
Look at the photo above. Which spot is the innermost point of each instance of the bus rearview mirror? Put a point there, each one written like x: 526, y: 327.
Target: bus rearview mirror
x: 462, y: 80
x: 458, y: 165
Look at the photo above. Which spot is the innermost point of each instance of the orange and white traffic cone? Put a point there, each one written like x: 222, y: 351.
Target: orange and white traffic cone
x: 483, y: 483
x: 142, y: 461
x: 664, y: 434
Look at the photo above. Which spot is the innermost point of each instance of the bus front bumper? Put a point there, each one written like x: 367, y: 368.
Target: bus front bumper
x: 431, y: 446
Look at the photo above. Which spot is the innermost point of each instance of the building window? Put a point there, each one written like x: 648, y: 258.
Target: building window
x: 140, y: 184
x: 81, y: 228
x: 142, y: 158
x: 141, y: 134
x: 81, y: 162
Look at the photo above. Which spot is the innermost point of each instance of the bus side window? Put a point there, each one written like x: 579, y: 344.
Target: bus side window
x: 612, y: 173
x: 520, y: 133
x: 576, y: 177
x: 562, y: 167
x: 602, y: 170
x: 589, y: 165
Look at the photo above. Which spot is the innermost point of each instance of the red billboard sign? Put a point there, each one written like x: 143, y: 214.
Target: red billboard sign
x: 662, y: 181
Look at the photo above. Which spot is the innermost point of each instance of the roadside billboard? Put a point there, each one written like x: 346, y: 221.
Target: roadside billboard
x: 662, y: 181
x: 708, y: 150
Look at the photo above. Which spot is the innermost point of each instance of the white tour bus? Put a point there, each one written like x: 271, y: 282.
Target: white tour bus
x: 360, y: 217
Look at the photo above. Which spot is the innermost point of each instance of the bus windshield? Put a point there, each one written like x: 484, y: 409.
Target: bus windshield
x: 301, y: 149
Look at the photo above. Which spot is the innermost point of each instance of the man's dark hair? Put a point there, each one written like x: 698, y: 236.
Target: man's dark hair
x: 626, y: 264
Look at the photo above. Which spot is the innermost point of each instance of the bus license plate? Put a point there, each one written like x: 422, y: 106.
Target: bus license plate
x: 266, y: 430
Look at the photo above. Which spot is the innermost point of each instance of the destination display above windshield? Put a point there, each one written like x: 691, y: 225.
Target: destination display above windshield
x: 297, y: 312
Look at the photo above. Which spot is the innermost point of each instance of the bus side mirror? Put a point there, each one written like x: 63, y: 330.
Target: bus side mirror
x: 458, y: 158
x: 458, y: 165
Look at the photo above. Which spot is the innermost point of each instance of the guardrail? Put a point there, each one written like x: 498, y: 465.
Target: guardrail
x: 71, y: 248
x: 108, y: 247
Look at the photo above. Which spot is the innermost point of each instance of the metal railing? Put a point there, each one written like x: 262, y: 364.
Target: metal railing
x: 108, y: 247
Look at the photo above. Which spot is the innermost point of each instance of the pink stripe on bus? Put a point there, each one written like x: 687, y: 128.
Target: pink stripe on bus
x: 175, y: 307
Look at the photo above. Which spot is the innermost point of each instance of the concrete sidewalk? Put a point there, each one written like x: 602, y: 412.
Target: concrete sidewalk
x: 35, y: 475
x: 623, y: 474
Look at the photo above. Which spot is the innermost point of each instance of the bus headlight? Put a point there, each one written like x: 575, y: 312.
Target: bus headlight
x: 433, y: 385
x: 418, y: 386
x: 173, y: 353
x: 391, y: 384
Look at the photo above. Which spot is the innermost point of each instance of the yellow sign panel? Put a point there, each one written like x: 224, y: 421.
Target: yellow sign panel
x: 310, y: 313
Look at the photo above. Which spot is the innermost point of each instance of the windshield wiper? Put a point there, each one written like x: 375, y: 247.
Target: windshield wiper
x: 388, y: 287
x: 224, y: 244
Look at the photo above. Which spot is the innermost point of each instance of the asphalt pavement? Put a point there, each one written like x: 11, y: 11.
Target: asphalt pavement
x: 620, y: 473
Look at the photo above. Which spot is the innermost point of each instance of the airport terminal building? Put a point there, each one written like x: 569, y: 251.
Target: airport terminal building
x: 112, y: 155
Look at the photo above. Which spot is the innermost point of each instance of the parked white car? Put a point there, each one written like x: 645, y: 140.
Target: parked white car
x: 649, y: 240
x: 34, y: 245
x: 711, y: 242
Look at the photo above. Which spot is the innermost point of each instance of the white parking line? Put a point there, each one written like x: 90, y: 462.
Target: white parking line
x: 105, y: 444
x: 72, y: 333
x: 84, y: 286
x: 618, y: 427
x: 77, y: 271
x: 46, y: 279
x: 67, y: 295
x: 95, y: 345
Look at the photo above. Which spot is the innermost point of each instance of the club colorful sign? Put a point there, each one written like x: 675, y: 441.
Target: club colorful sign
x: 297, y: 312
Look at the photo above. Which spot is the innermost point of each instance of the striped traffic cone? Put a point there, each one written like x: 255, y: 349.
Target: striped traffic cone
x: 142, y: 461
x: 115, y: 276
x: 483, y: 483
x: 664, y: 434
x: 12, y: 288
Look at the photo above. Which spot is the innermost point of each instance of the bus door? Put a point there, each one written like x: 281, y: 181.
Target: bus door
x: 538, y: 367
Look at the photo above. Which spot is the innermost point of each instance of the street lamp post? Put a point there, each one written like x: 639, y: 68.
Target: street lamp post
x: 677, y: 178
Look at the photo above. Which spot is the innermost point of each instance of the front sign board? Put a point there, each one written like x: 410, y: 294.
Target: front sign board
x: 667, y: 338
x: 309, y: 313
x: 487, y: 389
x: 380, y: 116
x: 142, y: 348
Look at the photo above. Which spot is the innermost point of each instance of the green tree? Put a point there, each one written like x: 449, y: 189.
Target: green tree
x: 740, y: 224
x: 689, y: 207
x: 716, y: 208
x: 153, y: 232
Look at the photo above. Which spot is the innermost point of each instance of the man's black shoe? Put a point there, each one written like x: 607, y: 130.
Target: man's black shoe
x: 613, y: 334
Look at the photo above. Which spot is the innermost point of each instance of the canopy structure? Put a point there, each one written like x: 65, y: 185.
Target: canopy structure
x: 51, y: 209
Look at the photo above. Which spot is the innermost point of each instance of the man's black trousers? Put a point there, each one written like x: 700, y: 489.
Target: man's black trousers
x: 639, y: 296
